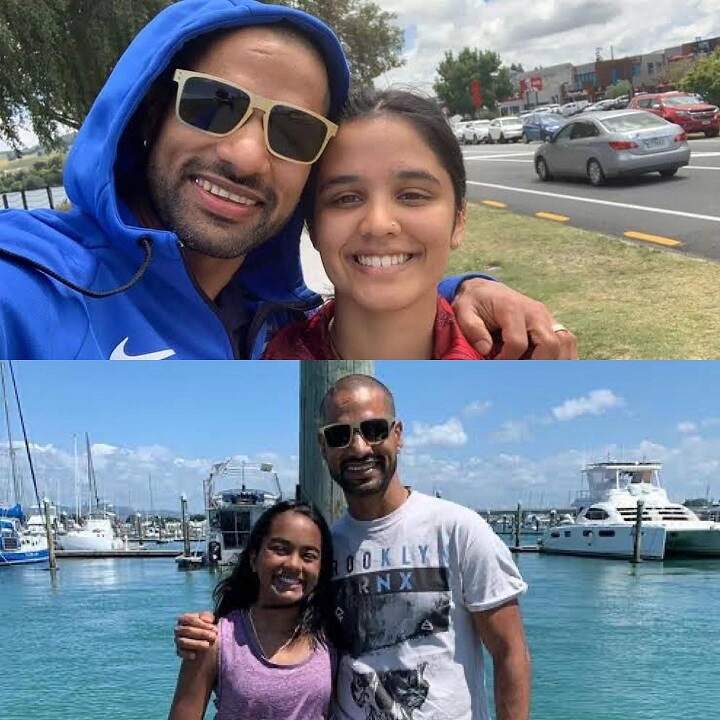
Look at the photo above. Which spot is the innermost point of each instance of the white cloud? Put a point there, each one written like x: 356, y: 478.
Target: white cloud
x: 512, y: 431
x: 449, y: 433
x: 686, y: 427
x: 595, y: 403
x: 477, y: 408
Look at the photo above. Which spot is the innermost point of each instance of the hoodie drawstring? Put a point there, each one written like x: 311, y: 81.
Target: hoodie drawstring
x: 146, y: 243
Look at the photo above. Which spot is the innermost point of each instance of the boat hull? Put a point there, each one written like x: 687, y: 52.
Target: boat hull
x: 693, y: 543
x: 90, y: 543
x: 11, y: 557
x: 604, y: 541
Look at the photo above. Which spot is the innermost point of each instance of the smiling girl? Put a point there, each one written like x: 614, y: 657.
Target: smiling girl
x: 388, y: 206
x: 272, y: 658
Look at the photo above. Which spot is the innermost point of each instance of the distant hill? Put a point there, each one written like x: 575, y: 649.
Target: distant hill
x: 67, y: 140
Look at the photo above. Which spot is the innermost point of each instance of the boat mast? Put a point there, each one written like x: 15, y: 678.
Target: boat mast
x: 16, y: 480
x: 91, y: 475
x: 78, y: 509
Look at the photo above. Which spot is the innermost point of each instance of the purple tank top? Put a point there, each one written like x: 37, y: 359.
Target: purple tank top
x: 249, y: 687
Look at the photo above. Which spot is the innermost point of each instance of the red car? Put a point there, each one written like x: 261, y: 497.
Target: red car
x: 684, y: 109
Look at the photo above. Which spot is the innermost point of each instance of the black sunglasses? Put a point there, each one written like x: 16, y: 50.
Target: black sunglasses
x: 217, y: 107
x: 373, y: 431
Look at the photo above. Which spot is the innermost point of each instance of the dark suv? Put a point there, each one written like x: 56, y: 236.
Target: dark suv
x: 689, y: 111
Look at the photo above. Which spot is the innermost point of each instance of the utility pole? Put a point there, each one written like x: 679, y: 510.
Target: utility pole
x: 316, y: 485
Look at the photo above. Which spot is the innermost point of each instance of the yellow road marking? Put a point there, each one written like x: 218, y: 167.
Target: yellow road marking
x: 657, y: 239
x: 494, y: 203
x: 552, y: 216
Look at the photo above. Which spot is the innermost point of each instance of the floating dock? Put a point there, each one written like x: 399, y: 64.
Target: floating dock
x: 104, y: 554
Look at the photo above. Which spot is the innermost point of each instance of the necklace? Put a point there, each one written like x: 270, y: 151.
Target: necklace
x: 331, y: 332
x: 286, y: 644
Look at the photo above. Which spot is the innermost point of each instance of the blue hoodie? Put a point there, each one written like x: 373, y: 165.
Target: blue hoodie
x: 56, y: 268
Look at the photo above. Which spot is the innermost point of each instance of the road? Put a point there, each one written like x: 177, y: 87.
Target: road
x: 682, y: 213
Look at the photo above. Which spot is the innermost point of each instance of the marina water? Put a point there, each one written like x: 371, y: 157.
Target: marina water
x: 609, y: 641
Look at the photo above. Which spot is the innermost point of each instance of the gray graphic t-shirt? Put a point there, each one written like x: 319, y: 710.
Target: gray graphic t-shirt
x: 406, y: 586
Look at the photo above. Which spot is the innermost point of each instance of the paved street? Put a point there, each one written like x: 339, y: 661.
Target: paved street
x: 682, y: 213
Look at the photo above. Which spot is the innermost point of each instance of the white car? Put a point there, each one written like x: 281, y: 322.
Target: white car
x: 459, y: 132
x: 476, y: 132
x: 505, y: 129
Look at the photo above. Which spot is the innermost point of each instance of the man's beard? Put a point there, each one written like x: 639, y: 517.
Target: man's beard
x: 389, y: 466
x: 204, y: 233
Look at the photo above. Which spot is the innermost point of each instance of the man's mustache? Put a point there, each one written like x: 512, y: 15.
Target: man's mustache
x: 225, y: 170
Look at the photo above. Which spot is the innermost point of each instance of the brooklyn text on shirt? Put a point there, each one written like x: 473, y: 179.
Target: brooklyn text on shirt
x: 388, y: 557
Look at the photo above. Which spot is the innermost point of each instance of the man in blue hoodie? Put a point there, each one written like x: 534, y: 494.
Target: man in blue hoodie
x: 182, y: 241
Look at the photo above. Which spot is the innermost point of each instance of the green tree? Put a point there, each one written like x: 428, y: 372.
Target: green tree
x: 455, y: 74
x: 371, y: 40
x: 621, y: 87
x: 704, y: 78
x: 62, y: 51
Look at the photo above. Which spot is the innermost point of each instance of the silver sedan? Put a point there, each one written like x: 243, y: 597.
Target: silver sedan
x: 612, y: 144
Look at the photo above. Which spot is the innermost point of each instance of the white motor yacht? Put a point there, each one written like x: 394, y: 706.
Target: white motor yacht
x: 96, y: 535
x: 606, y: 518
x: 232, y: 512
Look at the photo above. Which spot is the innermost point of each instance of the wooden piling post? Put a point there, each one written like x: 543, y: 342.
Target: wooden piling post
x: 48, y: 534
x: 518, y: 521
x: 316, y: 485
x: 185, y: 528
x: 638, y: 532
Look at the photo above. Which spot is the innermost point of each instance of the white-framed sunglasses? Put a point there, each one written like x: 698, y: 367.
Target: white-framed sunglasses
x: 218, y: 107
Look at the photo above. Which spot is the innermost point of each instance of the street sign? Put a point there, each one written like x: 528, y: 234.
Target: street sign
x: 476, y: 94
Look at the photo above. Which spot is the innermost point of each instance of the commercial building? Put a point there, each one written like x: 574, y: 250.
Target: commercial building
x: 654, y: 71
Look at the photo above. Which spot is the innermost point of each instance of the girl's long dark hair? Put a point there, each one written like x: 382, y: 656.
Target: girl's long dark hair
x: 239, y: 590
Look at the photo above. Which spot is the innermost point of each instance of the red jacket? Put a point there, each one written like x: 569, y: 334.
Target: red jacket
x: 309, y: 339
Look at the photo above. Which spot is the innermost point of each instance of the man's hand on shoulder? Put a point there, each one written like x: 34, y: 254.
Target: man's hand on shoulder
x: 526, y: 327
x: 195, y: 633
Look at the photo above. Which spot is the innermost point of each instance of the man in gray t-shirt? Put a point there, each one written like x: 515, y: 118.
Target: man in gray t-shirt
x: 422, y: 584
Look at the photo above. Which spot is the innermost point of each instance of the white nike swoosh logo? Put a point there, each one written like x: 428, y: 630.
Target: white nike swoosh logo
x: 119, y: 353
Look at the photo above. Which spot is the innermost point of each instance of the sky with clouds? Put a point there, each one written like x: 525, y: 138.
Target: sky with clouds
x: 485, y: 434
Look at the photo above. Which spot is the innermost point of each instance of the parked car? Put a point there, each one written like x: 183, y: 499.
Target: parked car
x: 611, y: 144
x: 684, y: 109
x: 540, y: 126
x: 600, y: 105
x: 476, y: 131
x: 505, y: 129
x: 573, y: 108
x: 553, y: 108
x: 459, y: 132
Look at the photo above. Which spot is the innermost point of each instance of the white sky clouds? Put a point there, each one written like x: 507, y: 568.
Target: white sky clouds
x: 477, y: 408
x: 686, y: 427
x: 449, y: 434
x: 595, y: 403
x: 543, y: 32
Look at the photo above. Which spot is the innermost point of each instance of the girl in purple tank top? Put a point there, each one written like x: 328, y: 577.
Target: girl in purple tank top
x: 273, y: 659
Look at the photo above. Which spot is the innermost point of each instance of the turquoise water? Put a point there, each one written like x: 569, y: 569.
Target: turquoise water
x: 609, y: 642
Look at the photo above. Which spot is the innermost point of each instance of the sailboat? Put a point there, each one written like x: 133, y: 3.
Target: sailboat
x: 98, y: 533
x: 17, y: 545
